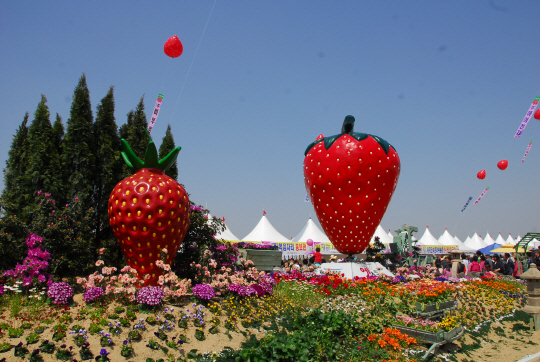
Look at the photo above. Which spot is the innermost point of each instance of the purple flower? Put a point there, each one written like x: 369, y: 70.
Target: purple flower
x: 246, y: 291
x: 1, y: 289
x: 258, y: 289
x: 204, y: 291
x: 92, y: 294
x: 266, y: 286
x: 150, y: 295
x: 233, y: 288
x: 60, y: 292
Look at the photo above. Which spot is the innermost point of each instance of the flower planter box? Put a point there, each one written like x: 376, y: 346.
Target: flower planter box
x: 430, y: 308
x: 263, y: 259
x: 431, y: 337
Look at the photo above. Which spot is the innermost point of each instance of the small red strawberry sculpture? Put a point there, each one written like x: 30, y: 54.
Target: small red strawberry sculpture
x: 148, y: 211
x: 350, y: 179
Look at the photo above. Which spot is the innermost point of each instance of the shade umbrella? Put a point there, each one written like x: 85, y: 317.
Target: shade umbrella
x: 507, y: 248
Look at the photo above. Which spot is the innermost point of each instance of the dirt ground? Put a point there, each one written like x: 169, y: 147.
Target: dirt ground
x: 213, y: 342
x: 506, y: 341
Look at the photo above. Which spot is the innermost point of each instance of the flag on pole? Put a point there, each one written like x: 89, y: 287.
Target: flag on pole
x: 157, y: 107
x: 264, y: 212
x: 527, y: 117
x: 526, y: 152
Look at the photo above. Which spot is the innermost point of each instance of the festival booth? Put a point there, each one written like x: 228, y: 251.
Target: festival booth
x: 428, y: 244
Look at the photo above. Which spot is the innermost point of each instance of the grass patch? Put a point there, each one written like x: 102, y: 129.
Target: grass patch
x: 299, y: 294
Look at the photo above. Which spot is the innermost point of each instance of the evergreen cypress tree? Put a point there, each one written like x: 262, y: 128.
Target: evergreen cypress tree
x: 14, y: 193
x: 43, y: 165
x: 58, y: 133
x: 136, y: 136
x: 133, y: 132
x: 167, y: 145
x: 78, y: 159
x: 108, y: 170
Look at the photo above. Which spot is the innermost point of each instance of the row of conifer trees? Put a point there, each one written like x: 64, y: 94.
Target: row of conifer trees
x: 79, y: 160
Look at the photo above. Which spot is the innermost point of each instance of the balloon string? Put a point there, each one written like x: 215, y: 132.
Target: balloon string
x: 192, y: 61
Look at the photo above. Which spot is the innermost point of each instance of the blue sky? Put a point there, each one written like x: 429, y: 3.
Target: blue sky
x: 447, y: 83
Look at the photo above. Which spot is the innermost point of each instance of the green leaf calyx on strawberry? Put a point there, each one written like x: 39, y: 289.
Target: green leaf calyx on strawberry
x: 151, y: 159
x: 347, y: 128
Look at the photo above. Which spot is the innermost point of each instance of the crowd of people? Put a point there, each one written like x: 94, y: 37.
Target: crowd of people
x: 505, y: 264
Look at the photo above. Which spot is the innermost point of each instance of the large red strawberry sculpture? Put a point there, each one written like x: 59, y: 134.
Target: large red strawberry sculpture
x: 350, y: 179
x: 148, y: 211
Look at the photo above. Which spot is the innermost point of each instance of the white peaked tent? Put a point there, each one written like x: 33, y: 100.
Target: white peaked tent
x: 500, y: 240
x: 459, y: 242
x: 428, y: 239
x: 390, y: 234
x: 227, y: 235
x: 467, y: 240
x: 264, y: 231
x: 447, y: 239
x: 510, y: 240
x: 475, y: 243
x: 517, y: 239
x: 311, y: 231
x: 488, y: 240
x: 383, y: 236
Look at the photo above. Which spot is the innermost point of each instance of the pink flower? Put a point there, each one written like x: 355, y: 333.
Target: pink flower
x: 101, y: 251
x: 99, y: 262
x: 164, y: 251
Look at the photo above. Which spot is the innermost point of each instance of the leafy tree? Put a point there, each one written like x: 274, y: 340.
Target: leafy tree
x: 108, y: 167
x: 14, y: 193
x: 78, y: 158
x: 199, y: 237
x: 167, y: 145
x: 13, y: 230
x: 43, y: 165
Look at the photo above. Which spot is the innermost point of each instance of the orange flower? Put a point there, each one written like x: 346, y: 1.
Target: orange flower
x: 382, y: 343
x: 372, y: 337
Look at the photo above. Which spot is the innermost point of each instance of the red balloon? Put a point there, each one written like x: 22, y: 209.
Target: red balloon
x: 481, y: 175
x: 537, y: 114
x: 173, y: 47
x: 502, y: 165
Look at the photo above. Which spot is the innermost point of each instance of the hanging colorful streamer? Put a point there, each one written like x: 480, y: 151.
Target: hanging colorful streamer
x: 481, y: 195
x: 527, y: 152
x: 467, y: 204
x: 156, y: 112
x: 527, y: 117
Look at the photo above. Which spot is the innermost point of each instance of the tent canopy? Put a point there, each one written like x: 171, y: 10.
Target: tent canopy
x: 475, y: 243
x: 227, y: 235
x: 447, y: 239
x: 428, y: 239
x: 264, y: 231
x: 383, y: 236
x: 311, y: 231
